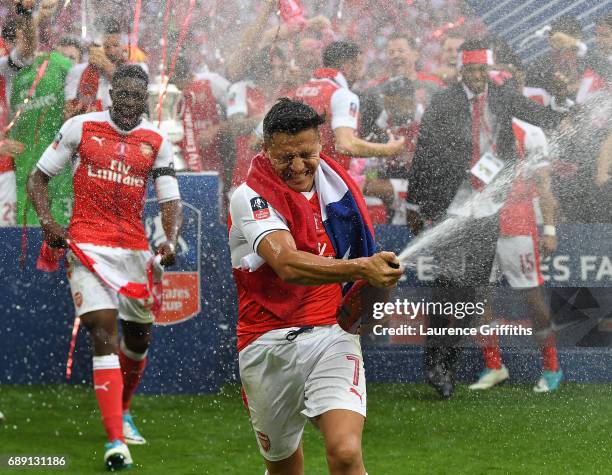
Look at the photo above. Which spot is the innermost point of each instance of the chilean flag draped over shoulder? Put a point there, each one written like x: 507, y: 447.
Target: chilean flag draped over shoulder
x: 344, y: 215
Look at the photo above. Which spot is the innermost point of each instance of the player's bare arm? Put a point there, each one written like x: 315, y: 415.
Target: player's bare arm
x: 26, y: 37
x: 240, y: 124
x: 604, y: 162
x: 548, y: 205
x: 299, y: 267
x: 38, y: 191
x: 349, y: 144
x: 172, y: 219
x: 250, y: 39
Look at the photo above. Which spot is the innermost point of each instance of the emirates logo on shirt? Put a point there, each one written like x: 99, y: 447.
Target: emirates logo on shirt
x: 118, y: 172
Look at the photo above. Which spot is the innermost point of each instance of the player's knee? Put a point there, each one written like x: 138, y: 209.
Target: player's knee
x: 344, y: 453
x: 138, y: 343
x: 136, y: 338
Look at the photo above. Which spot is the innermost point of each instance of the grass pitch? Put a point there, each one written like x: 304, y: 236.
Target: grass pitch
x: 505, y: 430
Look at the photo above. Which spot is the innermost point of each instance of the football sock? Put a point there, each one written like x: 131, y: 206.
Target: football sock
x: 490, y: 351
x: 108, y: 386
x: 132, y: 368
x: 549, y: 353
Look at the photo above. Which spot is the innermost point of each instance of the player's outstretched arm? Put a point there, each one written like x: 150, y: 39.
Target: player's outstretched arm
x: 349, y: 144
x: 299, y: 267
x: 38, y: 192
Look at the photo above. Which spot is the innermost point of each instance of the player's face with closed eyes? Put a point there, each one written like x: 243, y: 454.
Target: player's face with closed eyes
x: 295, y: 157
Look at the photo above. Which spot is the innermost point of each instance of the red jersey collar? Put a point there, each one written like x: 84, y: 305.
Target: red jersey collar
x: 333, y: 74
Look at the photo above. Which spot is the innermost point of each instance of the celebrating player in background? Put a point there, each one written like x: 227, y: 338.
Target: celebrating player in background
x: 401, y: 116
x: 293, y: 225
x: 112, y: 153
x: 328, y: 93
x: 467, y: 128
x: 87, y: 85
x: 34, y: 88
x: 519, y: 244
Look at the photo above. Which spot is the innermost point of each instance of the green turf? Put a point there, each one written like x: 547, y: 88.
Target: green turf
x: 507, y: 430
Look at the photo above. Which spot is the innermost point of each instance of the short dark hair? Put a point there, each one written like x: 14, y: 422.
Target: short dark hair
x: 403, y: 36
x: 130, y: 71
x: 112, y: 26
x: 400, y: 86
x: 9, y: 30
x: 260, y: 64
x: 290, y: 117
x: 567, y: 24
x: 15, y: 23
x: 339, y: 53
x: 70, y: 41
x: 474, y: 45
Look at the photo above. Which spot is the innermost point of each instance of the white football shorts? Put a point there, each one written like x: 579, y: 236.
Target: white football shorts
x: 518, y: 259
x: 288, y: 382
x: 8, y: 199
x: 90, y: 293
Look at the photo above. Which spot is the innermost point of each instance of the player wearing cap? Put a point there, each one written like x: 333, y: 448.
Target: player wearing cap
x: 112, y: 153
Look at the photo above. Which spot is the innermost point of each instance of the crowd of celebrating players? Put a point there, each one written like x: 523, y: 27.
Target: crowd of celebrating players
x: 415, y: 107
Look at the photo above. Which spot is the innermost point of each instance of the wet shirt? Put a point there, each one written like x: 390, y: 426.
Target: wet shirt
x: 328, y: 93
x: 110, y: 170
x: 37, y: 125
x: 252, y: 219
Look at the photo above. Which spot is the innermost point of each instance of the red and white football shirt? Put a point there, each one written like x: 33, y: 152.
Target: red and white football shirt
x: 202, y: 108
x: 245, y: 99
x: 517, y: 216
x: 252, y: 218
x: 110, y: 172
x: 328, y: 93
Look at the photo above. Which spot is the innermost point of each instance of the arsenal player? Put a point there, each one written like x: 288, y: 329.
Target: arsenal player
x: 202, y: 112
x: 328, y: 93
x: 112, y: 154
x: 298, y: 229
x: 401, y: 115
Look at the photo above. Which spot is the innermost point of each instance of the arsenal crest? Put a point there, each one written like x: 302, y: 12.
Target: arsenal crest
x: 146, y: 149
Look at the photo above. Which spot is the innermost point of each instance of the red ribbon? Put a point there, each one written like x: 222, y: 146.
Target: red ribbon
x: 136, y: 27
x: 39, y: 75
x: 179, y: 43
x: 73, y: 339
